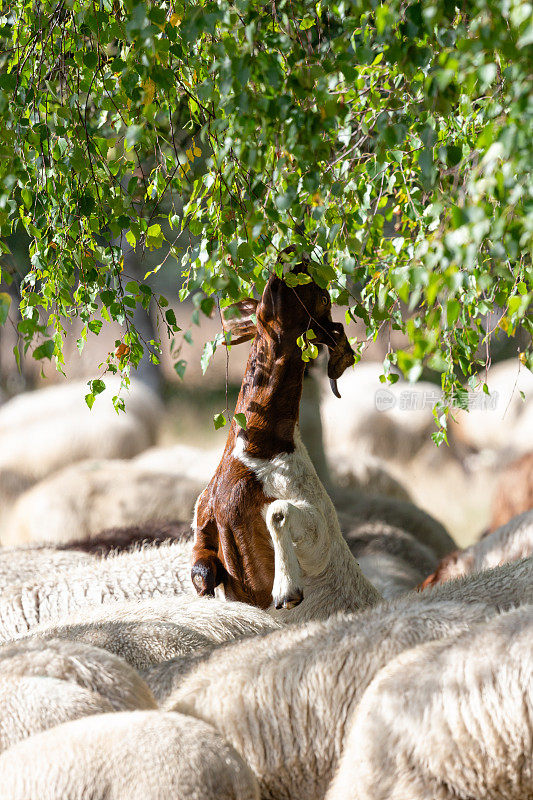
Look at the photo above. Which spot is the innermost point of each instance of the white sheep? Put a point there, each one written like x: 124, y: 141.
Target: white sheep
x: 374, y: 418
x: 511, y: 542
x: 392, y: 559
x: 391, y: 575
x: 284, y: 699
x: 141, y: 643
x: 137, y: 755
x: 355, y: 510
x: 31, y: 704
x: 21, y: 564
x: 63, y: 398
x: 86, y: 498
x: 148, y: 632
x: 164, y: 678
x: 366, y: 474
x: 503, y: 422
x: 448, y: 720
x: 185, y: 460
x: 44, y: 430
x: 353, y: 483
x: 149, y: 572
x: 90, y: 667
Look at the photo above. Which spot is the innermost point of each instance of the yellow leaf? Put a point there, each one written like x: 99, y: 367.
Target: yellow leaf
x: 197, y: 151
x: 175, y: 20
x: 522, y: 358
x: 128, y: 103
x: 149, y: 91
x: 189, y: 154
x: 122, y: 350
x: 316, y: 200
x: 504, y: 324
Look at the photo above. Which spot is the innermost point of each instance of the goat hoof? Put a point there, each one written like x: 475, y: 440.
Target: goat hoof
x: 291, y: 601
x: 203, y: 579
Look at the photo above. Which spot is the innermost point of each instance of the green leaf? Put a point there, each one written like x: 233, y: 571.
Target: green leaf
x: 44, y: 350
x: 95, y: 326
x: 170, y: 317
x: 119, y: 404
x: 90, y: 59
x: 285, y: 201
x: 180, y: 367
x: 219, y: 421
x: 97, y: 386
x: 348, y: 265
x: 5, y: 302
x: 16, y: 353
x: 515, y: 303
x: 453, y: 308
x: 27, y: 198
x: 86, y: 204
x: 133, y: 135
x: 391, y: 143
x: 240, y: 419
x: 209, y: 351
x: 454, y: 155
x: 293, y: 279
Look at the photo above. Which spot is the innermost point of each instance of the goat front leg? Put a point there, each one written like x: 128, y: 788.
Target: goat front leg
x: 207, y: 571
x: 291, y: 526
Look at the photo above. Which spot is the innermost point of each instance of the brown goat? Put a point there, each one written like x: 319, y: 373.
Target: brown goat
x: 232, y: 543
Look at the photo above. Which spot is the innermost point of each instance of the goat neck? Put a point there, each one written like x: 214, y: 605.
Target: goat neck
x: 270, y: 397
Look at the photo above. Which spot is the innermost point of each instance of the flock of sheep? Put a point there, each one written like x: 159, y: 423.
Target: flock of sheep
x: 117, y: 682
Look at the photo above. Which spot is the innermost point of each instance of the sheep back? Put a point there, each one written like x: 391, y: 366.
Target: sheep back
x: 136, y: 755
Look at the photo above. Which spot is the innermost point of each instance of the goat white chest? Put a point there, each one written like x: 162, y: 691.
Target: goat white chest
x: 288, y: 476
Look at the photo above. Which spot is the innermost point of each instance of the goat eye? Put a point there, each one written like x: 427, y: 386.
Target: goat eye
x: 324, y: 300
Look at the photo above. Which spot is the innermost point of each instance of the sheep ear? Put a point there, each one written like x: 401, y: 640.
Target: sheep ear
x: 237, y: 320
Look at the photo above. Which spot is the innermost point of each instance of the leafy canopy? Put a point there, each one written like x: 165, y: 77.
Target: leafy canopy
x: 393, y: 142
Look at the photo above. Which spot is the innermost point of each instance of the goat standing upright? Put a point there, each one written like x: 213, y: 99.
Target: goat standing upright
x: 267, y: 462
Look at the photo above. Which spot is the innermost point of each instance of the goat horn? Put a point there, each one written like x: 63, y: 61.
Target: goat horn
x: 334, y: 389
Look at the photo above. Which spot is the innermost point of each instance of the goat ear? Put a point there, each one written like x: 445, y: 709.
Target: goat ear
x: 237, y: 320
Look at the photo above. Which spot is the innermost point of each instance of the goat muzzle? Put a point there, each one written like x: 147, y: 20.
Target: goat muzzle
x: 341, y: 355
